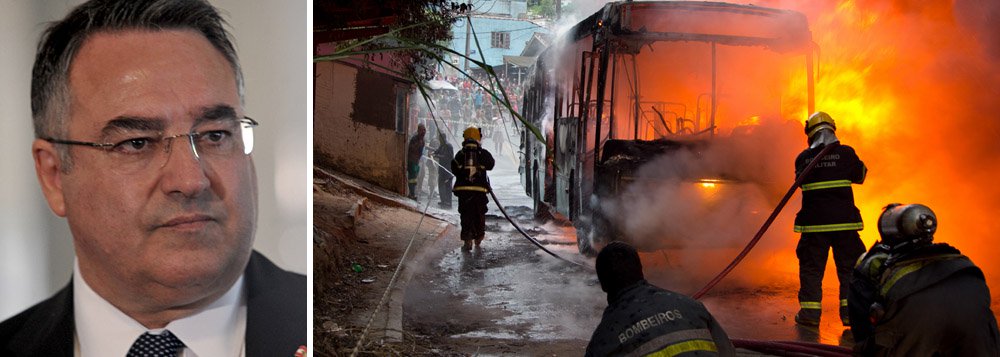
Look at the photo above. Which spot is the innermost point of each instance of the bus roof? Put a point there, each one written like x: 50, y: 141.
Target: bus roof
x: 697, y: 21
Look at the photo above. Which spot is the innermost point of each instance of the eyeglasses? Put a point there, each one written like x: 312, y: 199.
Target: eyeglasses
x: 132, y: 151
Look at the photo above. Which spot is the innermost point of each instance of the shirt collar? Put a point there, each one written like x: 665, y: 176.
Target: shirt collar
x: 103, y: 330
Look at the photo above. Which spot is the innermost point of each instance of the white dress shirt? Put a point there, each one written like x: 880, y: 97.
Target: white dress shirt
x: 103, y: 330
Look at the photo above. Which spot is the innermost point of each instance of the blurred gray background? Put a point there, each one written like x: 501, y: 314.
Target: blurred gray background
x: 36, y: 250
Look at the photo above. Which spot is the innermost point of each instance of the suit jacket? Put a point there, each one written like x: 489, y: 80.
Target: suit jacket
x: 276, y: 317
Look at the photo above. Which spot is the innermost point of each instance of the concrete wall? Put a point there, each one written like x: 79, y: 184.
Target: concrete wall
x: 376, y: 154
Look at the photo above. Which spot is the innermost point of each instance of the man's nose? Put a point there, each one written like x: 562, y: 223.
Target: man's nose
x: 183, y: 172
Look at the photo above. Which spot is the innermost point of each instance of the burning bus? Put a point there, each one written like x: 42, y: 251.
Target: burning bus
x: 658, y: 96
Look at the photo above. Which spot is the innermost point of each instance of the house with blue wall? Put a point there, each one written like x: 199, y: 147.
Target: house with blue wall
x: 502, y: 28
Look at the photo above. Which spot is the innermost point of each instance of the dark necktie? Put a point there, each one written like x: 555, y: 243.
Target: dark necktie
x: 162, y: 345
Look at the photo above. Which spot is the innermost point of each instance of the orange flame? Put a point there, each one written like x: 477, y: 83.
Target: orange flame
x: 912, y: 87
x: 907, y: 84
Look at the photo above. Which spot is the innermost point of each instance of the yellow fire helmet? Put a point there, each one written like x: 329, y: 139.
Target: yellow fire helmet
x: 472, y: 133
x: 817, y: 121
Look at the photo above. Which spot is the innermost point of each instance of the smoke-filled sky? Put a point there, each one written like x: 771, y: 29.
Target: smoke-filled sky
x: 915, y: 88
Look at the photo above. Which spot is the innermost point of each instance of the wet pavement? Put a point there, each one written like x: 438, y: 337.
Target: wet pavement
x: 524, y: 295
x: 510, y: 297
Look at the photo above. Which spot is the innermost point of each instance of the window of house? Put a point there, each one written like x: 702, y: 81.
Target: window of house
x: 401, y: 108
x: 500, y: 39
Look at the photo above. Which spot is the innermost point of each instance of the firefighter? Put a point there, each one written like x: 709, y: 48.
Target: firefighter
x: 471, y: 186
x: 443, y: 154
x: 642, y: 319
x: 828, y: 217
x: 414, y: 151
x: 912, y: 297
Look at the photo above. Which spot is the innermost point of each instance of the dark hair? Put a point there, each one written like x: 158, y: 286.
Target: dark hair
x: 62, y: 40
x: 618, y: 266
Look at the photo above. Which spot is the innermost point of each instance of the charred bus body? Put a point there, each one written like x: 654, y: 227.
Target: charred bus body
x: 638, y: 81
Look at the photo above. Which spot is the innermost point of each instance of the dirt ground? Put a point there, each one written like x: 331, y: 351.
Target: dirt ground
x: 359, y: 237
x: 456, y: 303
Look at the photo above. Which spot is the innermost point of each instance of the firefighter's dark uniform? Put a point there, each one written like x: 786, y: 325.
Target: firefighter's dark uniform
x: 471, y: 186
x: 863, y: 290
x: 934, y: 302
x: 414, y: 151
x: 643, y: 319
x: 828, y: 219
x: 443, y: 154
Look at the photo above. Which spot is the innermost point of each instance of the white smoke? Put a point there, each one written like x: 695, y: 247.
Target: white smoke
x: 702, y: 205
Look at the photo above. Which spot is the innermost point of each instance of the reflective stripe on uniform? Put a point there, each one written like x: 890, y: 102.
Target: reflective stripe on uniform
x: 411, y: 181
x: 861, y: 258
x: 826, y: 184
x: 655, y: 344
x: 686, y: 346
x: 469, y: 188
x: 873, y: 265
x: 843, y: 302
x: 810, y: 305
x: 909, y: 268
x: 830, y: 227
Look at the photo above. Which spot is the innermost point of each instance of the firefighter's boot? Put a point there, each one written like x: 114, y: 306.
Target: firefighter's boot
x: 808, y: 317
x: 467, y: 245
x: 809, y: 311
x: 845, y: 318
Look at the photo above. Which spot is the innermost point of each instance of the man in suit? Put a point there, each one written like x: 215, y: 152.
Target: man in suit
x: 143, y: 146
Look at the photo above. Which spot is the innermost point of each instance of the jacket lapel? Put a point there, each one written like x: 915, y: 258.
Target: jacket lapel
x: 47, y: 328
x: 276, y: 309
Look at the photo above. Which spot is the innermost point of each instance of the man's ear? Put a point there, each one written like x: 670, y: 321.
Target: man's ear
x: 47, y: 167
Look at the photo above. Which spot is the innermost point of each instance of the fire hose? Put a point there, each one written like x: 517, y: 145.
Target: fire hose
x: 746, y: 250
x: 792, y: 348
x: 767, y: 223
x: 778, y: 348
x: 781, y: 348
x: 512, y: 222
x: 525, y: 234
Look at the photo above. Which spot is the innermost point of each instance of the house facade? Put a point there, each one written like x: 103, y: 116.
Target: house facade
x: 501, y: 28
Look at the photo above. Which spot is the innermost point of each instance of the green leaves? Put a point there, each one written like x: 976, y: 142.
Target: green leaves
x: 396, y: 42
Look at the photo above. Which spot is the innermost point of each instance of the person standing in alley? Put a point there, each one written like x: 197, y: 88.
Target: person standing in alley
x: 644, y: 320
x: 913, y: 297
x: 443, y: 155
x: 471, y: 186
x: 413, y: 153
x: 828, y: 217
x: 498, y: 134
x: 427, y: 172
x: 477, y: 99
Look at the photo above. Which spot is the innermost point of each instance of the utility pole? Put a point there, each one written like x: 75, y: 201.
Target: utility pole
x: 558, y: 8
x: 468, y: 26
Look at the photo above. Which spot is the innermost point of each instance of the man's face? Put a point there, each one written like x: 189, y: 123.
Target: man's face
x: 181, y: 230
